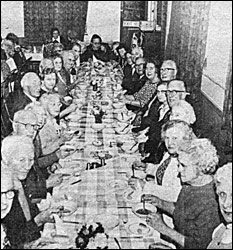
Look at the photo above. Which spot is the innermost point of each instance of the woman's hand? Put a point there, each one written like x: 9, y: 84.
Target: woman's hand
x: 154, y: 200
x: 156, y: 221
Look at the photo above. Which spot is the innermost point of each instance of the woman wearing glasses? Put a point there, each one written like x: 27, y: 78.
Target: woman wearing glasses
x: 20, y: 218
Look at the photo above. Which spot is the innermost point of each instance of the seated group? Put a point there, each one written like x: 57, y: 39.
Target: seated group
x: 183, y: 177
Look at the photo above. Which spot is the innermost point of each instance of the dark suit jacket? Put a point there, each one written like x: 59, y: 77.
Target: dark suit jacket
x: 99, y: 54
x: 20, y: 231
x: 133, y: 83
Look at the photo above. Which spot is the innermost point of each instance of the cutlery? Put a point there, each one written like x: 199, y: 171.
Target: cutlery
x: 71, y: 222
x: 134, y: 145
x: 116, y: 240
x: 125, y: 127
x: 75, y: 182
x: 133, y: 176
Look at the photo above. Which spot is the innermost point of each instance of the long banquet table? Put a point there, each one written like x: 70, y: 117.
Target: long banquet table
x: 101, y: 191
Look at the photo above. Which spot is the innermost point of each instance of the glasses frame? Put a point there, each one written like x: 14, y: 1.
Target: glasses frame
x: 166, y: 69
x: 10, y: 194
x: 35, y: 126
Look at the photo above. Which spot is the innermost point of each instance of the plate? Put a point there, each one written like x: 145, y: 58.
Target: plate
x: 109, y: 221
x: 118, y: 185
x: 139, y: 229
x: 97, y: 143
x: 139, y: 211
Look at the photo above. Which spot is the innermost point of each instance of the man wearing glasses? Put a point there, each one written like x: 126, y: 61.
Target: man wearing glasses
x: 96, y: 50
x: 168, y: 71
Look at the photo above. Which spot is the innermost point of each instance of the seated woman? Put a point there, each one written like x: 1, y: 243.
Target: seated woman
x: 51, y: 135
x: 182, y: 110
x: 195, y: 213
x: 24, y: 221
x: 48, y: 81
x: 222, y: 235
x: 147, y: 92
x: 63, y: 77
x: 44, y: 64
x: 69, y: 64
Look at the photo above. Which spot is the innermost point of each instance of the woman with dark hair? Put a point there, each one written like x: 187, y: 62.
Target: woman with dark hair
x: 141, y: 98
x: 63, y: 77
x: 96, y: 50
x: 56, y: 37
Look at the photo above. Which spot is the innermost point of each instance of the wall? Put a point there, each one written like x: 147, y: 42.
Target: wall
x: 12, y: 18
x: 103, y: 18
x: 219, y: 42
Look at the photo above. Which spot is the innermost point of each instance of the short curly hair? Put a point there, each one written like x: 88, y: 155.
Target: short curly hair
x: 202, y: 153
x: 188, y: 132
x: 223, y: 174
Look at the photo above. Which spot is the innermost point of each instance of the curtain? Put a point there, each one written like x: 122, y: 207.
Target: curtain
x: 41, y: 16
x: 186, y: 44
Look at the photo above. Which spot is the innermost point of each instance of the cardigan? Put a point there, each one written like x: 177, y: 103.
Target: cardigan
x: 196, y: 215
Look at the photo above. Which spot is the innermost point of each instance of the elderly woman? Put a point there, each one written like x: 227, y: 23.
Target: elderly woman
x: 182, y: 110
x: 222, y: 235
x: 69, y: 64
x: 196, y: 212
x: 146, y: 93
x: 51, y: 135
x: 24, y: 221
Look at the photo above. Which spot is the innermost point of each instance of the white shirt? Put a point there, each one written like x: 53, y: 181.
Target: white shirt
x: 171, y: 185
x: 58, y: 39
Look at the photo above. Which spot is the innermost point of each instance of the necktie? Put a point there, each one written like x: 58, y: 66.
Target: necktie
x: 161, y: 170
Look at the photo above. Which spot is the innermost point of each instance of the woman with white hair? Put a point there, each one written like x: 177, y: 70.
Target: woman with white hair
x: 24, y: 220
x: 195, y: 213
x: 182, y: 110
x: 222, y: 235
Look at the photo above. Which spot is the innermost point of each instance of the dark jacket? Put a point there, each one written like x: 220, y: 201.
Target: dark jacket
x: 99, y: 54
x: 18, y: 230
x: 133, y: 83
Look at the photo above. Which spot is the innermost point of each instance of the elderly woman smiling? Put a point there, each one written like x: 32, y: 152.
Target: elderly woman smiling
x: 222, y: 236
x: 195, y: 213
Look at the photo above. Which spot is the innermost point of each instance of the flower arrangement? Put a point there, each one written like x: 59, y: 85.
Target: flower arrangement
x: 92, y: 237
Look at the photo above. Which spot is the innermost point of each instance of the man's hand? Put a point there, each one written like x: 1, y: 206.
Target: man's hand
x: 54, y: 180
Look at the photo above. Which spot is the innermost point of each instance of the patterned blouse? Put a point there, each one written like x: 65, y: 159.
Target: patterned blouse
x: 145, y: 94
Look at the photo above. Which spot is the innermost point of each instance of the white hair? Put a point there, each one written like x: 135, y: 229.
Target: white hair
x: 27, y: 79
x: 189, y: 113
x: 224, y: 174
x: 12, y: 144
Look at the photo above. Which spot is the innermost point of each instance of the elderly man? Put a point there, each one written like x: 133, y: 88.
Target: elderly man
x: 176, y: 91
x: 17, y: 100
x: 25, y: 123
x: 138, y: 79
x: 168, y: 71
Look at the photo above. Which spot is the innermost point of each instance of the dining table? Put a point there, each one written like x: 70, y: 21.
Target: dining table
x: 95, y: 182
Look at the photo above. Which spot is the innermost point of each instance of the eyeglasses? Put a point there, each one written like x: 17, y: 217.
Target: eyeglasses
x: 166, y: 69
x: 9, y: 194
x: 137, y: 65
x: 174, y: 92
x: 161, y: 91
x: 96, y: 43
x: 28, y: 125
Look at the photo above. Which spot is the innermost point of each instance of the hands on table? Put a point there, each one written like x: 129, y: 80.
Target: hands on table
x: 54, y: 180
x: 155, y: 220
